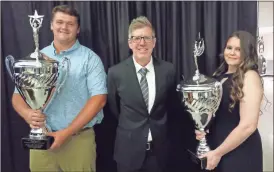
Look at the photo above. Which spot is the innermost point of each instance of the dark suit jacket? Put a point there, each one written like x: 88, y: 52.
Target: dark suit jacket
x: 126, y: 102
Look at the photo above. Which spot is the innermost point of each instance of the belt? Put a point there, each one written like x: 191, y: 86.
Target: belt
x: 78, y: 132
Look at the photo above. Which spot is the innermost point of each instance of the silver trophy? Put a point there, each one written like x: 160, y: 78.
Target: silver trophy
x: 201, y: 96
x: 37, y: 77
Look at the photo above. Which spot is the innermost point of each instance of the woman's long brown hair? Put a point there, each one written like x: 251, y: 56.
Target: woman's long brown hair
x: 249, y: 57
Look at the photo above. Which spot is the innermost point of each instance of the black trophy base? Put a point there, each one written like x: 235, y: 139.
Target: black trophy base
x: 43, y: 144
x: 200, y: 161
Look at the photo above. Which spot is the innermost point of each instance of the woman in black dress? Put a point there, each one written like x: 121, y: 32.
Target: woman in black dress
x: 234, y: 137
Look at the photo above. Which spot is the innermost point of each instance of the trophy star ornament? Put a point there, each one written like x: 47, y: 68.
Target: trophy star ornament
x: 36, y: 16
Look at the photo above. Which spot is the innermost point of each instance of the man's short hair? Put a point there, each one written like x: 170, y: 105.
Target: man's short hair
x: 138, y: 23
x: 67, y: 10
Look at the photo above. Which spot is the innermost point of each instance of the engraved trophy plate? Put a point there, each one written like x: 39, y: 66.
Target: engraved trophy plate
x: 37, y: 78
x: 201, y: 96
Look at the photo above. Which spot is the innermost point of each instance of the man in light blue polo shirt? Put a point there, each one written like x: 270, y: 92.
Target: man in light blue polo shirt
x: 76, y: 108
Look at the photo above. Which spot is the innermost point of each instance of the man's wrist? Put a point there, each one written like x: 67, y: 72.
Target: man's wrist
x: 69, y: 131
x: 25, y: 113
x: 219, y: 152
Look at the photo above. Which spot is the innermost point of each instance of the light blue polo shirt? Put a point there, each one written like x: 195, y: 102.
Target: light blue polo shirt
x: 86, y: 78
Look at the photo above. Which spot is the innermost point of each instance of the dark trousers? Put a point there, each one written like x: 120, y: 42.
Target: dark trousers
x: 150, y: 164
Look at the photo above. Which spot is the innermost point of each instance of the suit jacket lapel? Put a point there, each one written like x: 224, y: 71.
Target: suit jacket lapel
x: 134, y: 85
x: 158, y: 81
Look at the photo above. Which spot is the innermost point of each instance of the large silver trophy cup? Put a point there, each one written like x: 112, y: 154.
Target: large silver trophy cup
x: 37, y: 78
x: 201, y: 96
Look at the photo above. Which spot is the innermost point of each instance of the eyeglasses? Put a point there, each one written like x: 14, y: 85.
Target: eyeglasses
x: 137, y: 39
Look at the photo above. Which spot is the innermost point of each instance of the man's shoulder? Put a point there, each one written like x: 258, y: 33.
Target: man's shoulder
x: 119, y: 67
x: 48, y: 51
x: 164, y: 64
x: 87, y: 50
x: 48, y: 48
x: 88, y: 53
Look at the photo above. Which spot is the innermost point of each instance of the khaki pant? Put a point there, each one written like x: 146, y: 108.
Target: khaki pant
x: 77, y: 154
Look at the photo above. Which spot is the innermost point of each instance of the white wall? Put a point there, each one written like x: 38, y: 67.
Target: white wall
x: 266, y: 119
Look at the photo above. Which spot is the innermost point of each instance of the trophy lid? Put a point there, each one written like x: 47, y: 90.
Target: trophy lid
x: 29, y: 61
x: 202, y: 83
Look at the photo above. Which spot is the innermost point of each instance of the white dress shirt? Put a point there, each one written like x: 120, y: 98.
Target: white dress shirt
x: 150, y: 76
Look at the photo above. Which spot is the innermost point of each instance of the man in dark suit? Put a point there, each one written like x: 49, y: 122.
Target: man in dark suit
x: 141, y: 91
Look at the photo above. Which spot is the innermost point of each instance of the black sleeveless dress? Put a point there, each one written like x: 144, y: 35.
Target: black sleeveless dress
x: 248, y: 156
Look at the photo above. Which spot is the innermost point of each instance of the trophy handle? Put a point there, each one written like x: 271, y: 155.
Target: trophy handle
x: 9, y: 65
x: 66, y: 62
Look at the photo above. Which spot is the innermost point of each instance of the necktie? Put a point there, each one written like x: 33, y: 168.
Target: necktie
x: 144, y: 84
